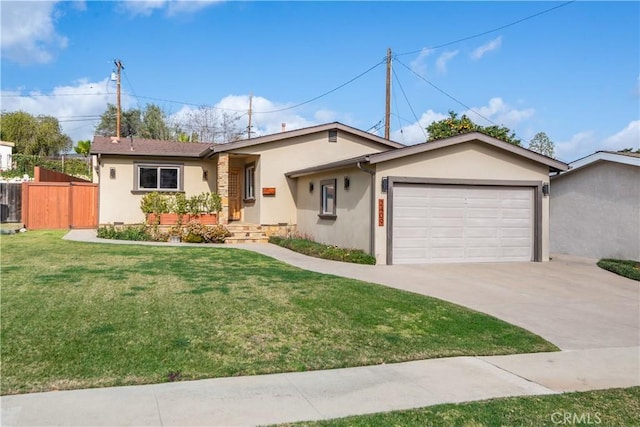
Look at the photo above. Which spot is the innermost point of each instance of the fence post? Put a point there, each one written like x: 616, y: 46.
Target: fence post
x: 25, y: 205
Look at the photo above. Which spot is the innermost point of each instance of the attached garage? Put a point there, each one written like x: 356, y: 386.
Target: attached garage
x: 467, y: 198
x: 436, y: 223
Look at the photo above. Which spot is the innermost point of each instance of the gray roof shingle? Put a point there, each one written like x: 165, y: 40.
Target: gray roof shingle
x: 148, y: 147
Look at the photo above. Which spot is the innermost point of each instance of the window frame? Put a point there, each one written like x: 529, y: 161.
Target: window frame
x: 158, y: 166
x: 325, y: 213
x: 250, y: 182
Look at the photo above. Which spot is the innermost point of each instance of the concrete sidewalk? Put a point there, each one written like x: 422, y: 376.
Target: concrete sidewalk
x: 267, y: 399
x: 592, y: 360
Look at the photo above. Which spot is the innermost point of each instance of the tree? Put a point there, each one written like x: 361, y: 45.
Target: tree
x: 155, y: 123
x: 33, y: 135
x: 83, y: 147
x: 453, y: 125
x: 206, y: 124
x: 542, y: 144
x: 130, y: 122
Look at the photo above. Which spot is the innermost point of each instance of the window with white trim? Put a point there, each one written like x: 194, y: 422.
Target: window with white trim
x: 250, y: 181
x: 328, y: 198
x: 156, y: 177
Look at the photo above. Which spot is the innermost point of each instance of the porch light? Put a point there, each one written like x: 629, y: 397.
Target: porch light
x: 311, y: 187
x: 347, y: 182
x: 545, y: 189
x: 385, y: 184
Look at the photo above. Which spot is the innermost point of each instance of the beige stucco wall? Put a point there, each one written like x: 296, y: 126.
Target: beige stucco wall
x: 350, y: 228
x: 280, y: 157
x: 118, y: 201
x: 470, y: 161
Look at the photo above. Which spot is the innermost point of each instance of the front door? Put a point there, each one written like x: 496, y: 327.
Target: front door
x: 234, y: 194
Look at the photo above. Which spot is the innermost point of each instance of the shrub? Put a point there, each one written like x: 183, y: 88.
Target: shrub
x: 308, y: 247
x: 195, y: 232
x: 627, y: 268
x: 154, y: 202
x: 126, y: 232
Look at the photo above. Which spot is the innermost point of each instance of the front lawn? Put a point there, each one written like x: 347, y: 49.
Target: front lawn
x: 77, y: 315
x: 615, y: 407
x: 626, y: 268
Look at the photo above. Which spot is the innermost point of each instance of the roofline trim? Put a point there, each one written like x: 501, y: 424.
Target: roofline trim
x: 468, y: 137
x: 341, y: 164
x: 300, y: 132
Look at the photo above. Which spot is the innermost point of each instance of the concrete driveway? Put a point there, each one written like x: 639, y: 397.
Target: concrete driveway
x: 569, y: 301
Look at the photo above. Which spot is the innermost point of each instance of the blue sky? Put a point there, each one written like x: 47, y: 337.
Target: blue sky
x: 573, y: 72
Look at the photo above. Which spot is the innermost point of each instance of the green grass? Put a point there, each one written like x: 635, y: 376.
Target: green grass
x: 77, y: 315
x: 319, y: 250
x: 627, y: 268
x: 615, y: 407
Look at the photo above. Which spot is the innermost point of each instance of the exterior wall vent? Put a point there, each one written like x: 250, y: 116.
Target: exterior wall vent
x: 333, y: 135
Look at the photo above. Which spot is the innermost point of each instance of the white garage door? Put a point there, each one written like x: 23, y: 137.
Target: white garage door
x: 453, y: 223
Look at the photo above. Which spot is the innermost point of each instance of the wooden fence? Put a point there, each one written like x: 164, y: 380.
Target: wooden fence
x: 55, y: 205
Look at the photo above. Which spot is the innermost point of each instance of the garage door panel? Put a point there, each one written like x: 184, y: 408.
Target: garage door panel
x: 461, y: 223
x: 437, y: 232
x: 446, y: 242
x: 446, y: 212
x: 475, y: 232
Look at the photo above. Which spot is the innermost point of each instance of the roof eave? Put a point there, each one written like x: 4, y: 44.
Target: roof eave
x: 553, y: 164
x: 327, y: 167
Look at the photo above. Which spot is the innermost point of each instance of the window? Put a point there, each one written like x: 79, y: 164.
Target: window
x: 250, y: 182
x: 158, y: 177
x: 328, y: 198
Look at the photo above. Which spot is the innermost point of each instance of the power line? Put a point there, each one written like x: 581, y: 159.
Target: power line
x: 315, y: 98
x: 324, y: 94
x: 445, y: 93
x: 484, y: 33
x: 409, y: 104
x: 132, y: 90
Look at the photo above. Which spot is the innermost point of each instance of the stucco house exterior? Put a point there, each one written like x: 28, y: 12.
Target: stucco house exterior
x: 6, y: 153
x: 468, y: 198
x: 595, y: 209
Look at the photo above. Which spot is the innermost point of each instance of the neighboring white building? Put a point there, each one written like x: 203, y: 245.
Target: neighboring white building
x: 6, y: 152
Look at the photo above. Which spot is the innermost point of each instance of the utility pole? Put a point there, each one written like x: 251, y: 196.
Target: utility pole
x: 119, y: 67
x: 249, y: 127
x: 387, y: 105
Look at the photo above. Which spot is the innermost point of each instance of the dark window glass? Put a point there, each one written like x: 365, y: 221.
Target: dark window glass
x: 169, y: 179
x: 148, y: 177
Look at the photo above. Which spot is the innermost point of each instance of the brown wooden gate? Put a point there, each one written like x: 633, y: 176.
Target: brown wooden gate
x: 55, y: 205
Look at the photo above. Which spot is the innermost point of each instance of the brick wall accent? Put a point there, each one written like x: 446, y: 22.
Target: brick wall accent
x: 223, y: 187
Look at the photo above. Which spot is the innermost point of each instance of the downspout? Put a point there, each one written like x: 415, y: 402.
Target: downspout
x: 372, y: 210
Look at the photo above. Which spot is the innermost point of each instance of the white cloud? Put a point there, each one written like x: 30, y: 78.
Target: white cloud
x: 485, y: 48
x: 419, y: 65
x: 499, y: 112
x: 587, y: 142
x: 172, y: 7
x: 579, y: 145
x: 415, y: 133
x: 77, y: 106
x: 28, y: 32
x: 441, y: 62
x: 628, y: 137
x: 266, y: 119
